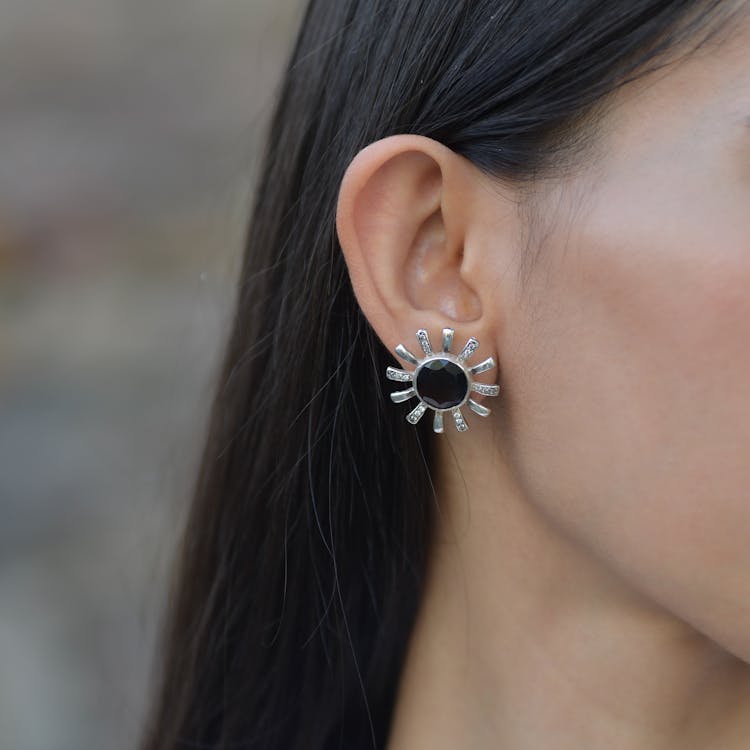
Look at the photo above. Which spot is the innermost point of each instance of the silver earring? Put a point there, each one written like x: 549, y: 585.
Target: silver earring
x: 442, y: 381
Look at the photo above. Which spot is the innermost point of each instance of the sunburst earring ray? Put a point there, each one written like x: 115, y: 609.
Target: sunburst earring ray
x: 442, y: 381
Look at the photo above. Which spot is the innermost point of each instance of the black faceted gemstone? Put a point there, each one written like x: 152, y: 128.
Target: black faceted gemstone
x: 441, y: 383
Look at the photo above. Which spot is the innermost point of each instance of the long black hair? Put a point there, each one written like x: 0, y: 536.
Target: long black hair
x: 303, y: 558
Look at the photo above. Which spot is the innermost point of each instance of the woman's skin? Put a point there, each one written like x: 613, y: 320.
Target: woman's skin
x: 589, y: 580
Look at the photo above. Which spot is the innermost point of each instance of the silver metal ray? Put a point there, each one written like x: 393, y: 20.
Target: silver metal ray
x: 485, y: 389
x: 403, y: 376
x: 398, y: 396
x: 404, y: 353
x: 483, y: 411
x: 461, y: 425
x: 487, y: 364
x: 424, y: 341
x: 469, y: 348
x: 416, y: 413
x: 447, y: 339
x: 437, y: 422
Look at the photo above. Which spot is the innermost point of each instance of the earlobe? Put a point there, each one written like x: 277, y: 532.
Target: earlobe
x: 401, y: 219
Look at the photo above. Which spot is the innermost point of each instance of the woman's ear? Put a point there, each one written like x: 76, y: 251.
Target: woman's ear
x: 411, y: 226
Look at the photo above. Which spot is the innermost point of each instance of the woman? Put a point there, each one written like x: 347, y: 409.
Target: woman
x: 568, y: 183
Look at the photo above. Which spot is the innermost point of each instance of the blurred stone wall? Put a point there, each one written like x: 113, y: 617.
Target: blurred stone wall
x: 129, y: 135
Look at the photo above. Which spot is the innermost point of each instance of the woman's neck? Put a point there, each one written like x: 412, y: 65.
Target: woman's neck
x: 526, y: 641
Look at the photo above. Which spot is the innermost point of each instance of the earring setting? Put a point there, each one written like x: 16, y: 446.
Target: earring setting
x: 442, y: 381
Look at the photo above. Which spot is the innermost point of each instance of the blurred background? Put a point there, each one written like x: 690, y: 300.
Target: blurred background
x: 129, y: 135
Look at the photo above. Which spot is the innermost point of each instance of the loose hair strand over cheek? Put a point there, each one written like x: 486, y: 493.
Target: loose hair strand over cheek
x: 303, y: 558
